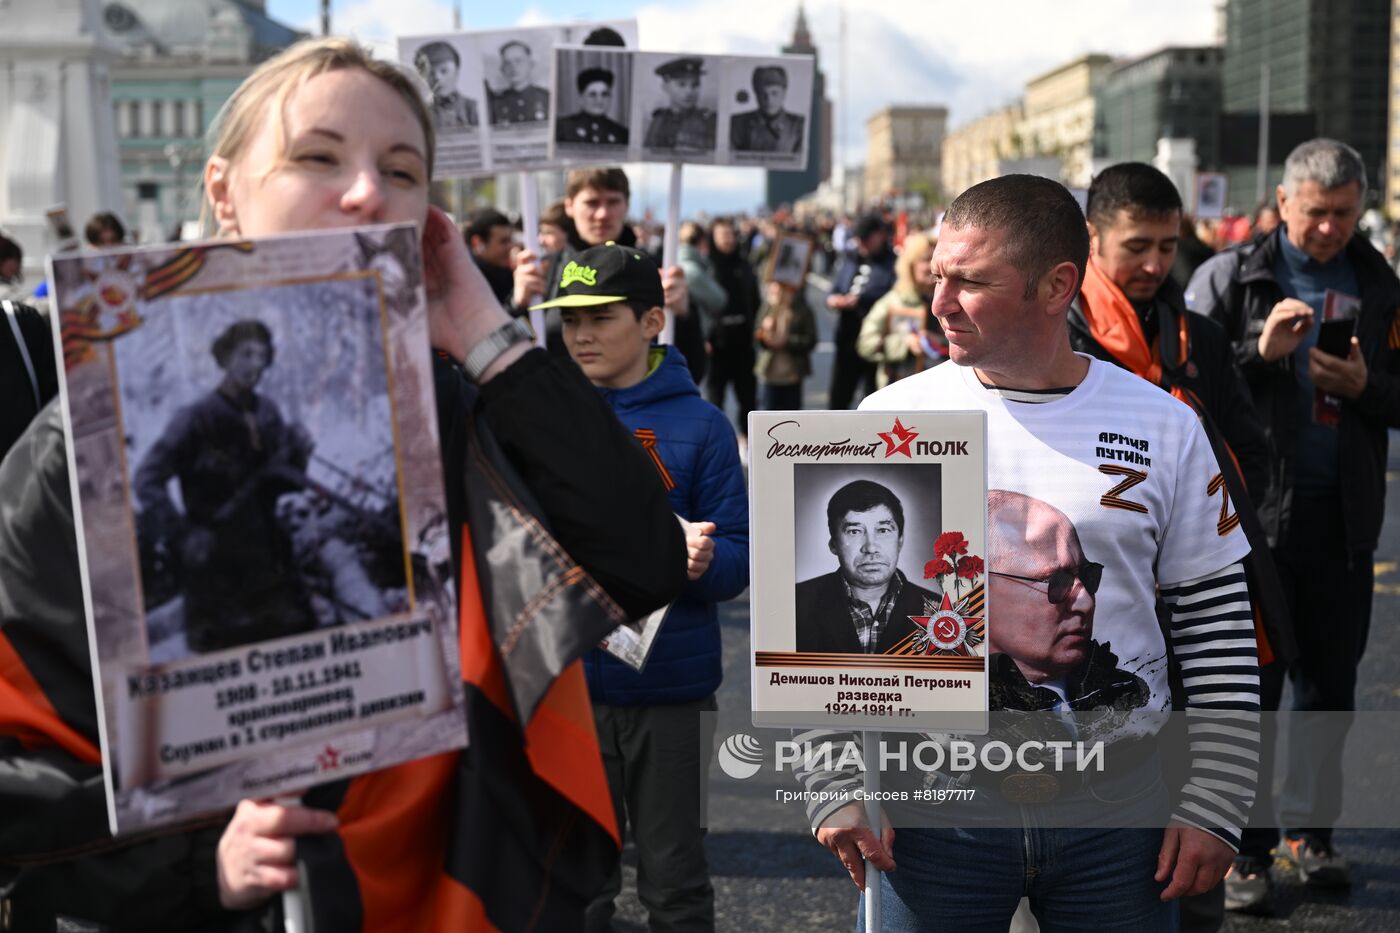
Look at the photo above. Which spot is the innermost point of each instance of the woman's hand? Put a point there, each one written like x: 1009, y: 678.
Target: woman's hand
x: 258, y: 850
x: 462, y: 309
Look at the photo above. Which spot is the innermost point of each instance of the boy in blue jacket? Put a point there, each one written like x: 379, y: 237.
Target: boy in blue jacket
x: 655, y: 742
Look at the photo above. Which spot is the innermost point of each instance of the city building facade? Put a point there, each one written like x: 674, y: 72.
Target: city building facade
x: 1328, y: 75
x: 977, y: 151
x: 1059, y: 115
x: 904, y: 153
x: 177, y: 64
x: 1172, y: 93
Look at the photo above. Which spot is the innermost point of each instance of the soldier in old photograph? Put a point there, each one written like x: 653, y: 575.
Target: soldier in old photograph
x: 439, y: 64
x: 770, y: 128
x: 683, y: 124
x: 521, y: 100
x: 591, y: 124
x: 233, y: 455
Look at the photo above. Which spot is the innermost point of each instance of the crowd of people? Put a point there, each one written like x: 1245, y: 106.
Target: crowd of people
x: 1243, y: 558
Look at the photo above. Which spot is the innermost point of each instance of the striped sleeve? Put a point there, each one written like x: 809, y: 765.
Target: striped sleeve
x: 828, y: 771
x: 1212, y: 632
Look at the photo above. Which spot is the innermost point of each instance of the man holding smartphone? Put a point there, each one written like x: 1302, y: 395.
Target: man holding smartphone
x: 1326, y: 416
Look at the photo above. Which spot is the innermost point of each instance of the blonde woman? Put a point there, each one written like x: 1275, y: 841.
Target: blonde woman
x: 323, y: 136
x: 899, y: 334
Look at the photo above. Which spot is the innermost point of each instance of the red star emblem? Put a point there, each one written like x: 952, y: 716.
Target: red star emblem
x: 947, y: 631
x: 897, y: 440
x: 329, y: 759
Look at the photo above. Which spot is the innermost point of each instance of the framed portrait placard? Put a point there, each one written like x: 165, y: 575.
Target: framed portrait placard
x: 493, y: 100
x: 263, y: 534
x: 1212, y: 192
x: 789, y: 260
x: 680, y: 107
x: 868, y: 549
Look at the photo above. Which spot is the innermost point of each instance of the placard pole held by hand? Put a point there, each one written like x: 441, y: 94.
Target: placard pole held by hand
x: 294, y: 901
x: 530, y: 222
x: 671, y: 244
x: 872, y: 814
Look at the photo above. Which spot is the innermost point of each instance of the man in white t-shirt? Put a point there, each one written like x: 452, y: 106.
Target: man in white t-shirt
x: 1117, y: 468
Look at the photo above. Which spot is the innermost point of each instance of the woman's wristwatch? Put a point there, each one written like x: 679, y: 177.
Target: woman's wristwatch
x: 493, y: 345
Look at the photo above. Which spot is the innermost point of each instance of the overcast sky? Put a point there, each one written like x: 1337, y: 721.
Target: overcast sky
x: 966, y: 56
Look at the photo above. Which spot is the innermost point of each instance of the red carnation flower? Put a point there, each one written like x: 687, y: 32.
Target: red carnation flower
x: 950, y: 543
x: 970, y: 567
x: 937, y: 568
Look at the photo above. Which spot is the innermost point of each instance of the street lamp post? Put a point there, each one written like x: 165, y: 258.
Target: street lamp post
x: 178, y: 155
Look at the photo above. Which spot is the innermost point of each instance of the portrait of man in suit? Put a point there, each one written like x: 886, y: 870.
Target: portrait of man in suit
x: 865, y: 605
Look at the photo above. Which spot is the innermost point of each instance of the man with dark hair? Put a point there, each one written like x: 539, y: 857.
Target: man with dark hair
x: 1131, y: 312
x: 596, y: 200
x: 1327, y: 417
x: 438, y: 64
x: 866, y: 604
x: 770, y: 128
x: 104, y: 229
x: 866, y: 273
x: 490, y: 236
x: 234, y: 456
x: 591, y: 125
x: 1131, y: 471
x: 520, y: 101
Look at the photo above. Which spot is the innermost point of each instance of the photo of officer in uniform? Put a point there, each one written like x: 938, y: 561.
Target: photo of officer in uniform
x: 683, y: 125
x: 770, y: 128
x: 864, y: 605
x: 520, y: 100
x: 439, y: 63
x: 592, y: 125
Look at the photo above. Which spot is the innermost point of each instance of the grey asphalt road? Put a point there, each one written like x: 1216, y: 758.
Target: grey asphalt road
x: 770, y: 876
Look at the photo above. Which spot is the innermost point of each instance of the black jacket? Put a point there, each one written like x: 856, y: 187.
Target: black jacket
x: 1237, y: 289
x: 824, y: 621
x: 1209, y: 372
x: 17, y: 404
x: 1097, y: 683
x: 732, y: 330
x: 549, y: 447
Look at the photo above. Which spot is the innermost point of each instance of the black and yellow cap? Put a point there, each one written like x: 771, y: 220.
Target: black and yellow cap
x: 601, y: 275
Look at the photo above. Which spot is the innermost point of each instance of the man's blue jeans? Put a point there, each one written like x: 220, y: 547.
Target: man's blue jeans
x: 971, y: 879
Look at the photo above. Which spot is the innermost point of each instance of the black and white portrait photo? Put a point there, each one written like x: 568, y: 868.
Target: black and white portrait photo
x: 593, y: 88
x: 863, y: 536
x: 264, y: 471
x: 768, y: 104
x: 516, y: 77
x: 447, y: 72
x: 680, y: 103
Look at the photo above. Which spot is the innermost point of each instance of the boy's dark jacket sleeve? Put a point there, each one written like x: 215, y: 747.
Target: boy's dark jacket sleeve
x: 56, y: 857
